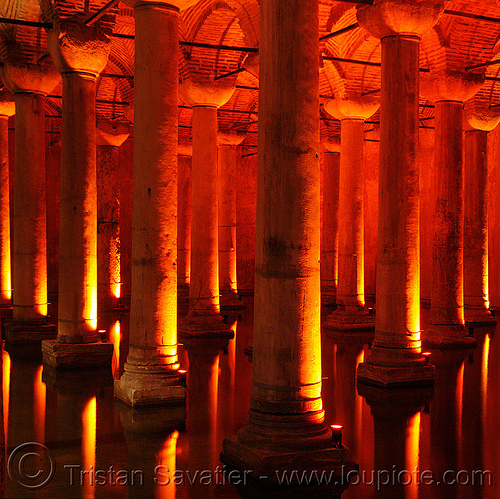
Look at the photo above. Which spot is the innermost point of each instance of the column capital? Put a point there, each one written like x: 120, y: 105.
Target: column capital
x: 480, y: 117
x: 111, y: 133
x: 252, y: 64
x: 230, y: 137
x: 208, y: 93
x: 358, y: 107
x: 176, y: 4
x: 331, y: 145
x: 7, y: 105
x: 39, y: 78
x: 400, y: 17
x: 76, y: 48
x: 185, y: 148
x: 449, y: 85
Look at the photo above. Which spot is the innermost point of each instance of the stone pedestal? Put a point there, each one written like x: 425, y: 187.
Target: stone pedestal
x: 396, y: 357
x: 330, y: 223
x: 7, y: 109
x: 350, y: 314
x: 286, y: 428
x: 447, y: 321
x: 227, y: 163
x: 110, y: 136
x: 151, y: 372
x: 80, y: 54
x: 30, y: 84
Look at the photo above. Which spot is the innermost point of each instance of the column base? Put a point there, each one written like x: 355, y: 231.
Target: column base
x: 229, y: 300
x: 397, y: 375
x: 29, y: 332
x: 204, y: 327
x: 142, y: 390
x: 447, y: 336
x: 350, y: 320
x: 76, y: 355
x: 478, y: 316
x: 267, y: 467
x: 183, y: 299
x: 328, y: 297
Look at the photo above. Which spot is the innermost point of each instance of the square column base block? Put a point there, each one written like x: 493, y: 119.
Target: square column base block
x: 268, y: 467
x: 76, y: 355
x: 29, y: 332
x: 402, y: 375
x: 135, y: 393
x: 444, y: 336
x: 350, y: 321
x: 475, y: 316
x: 230, y: 301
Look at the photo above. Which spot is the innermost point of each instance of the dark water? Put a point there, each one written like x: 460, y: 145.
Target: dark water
x: 422, y: 443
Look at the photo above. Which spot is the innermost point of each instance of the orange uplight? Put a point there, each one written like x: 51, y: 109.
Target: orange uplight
x: 165, y: 462
x: 39, y: 405
x: 5, y: 280
x: 117, y: 287
x: 93, y: 307
x: 412, y: 453
x: 5, y: 390
x: 89, y: 421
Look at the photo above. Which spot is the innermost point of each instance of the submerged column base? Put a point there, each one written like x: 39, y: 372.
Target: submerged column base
x: 478, y: 316
x: 151, y: 387
x: 29, y: 331
x: 380, y: 370
x: 350, y: 320
x: 447, y: 336
x: 230, y: 300
x: 76, y: 355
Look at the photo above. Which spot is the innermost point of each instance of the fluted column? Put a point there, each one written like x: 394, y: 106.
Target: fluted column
x: 447, y: 320
x: 286, y: 419
x: 350, y: 313
x: 30, y: 84
x: 151, y: 371
x: 7, y: 109
x: 228, y: 157
x: 80, y: 55
x: 204, y: 319
x: 110, y: 136
x: 396, y: 356
x: 329, y: 222
x: 481, y: 120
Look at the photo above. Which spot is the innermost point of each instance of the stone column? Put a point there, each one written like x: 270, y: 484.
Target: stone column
x: 110, y: 136
x: 204, y: 319
x: 329, y: 222
x: 228, y: 157
x: 80, y: 54
x: 7, y: 109
x: 350, y: 314
x: 480, y: 120
x: 447, y: 321
x: 396, y: 356
x: 183, y: 226
x: 286, y: 428
x: 151, y: 372
x: 29, y: 84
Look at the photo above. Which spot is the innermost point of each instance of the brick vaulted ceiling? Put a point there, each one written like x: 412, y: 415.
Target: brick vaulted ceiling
x: 466, y: 36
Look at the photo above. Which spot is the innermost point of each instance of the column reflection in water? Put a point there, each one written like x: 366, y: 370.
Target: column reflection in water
x: 3, y: 426
x: 89, y: 429
x: 40, y: 392
x: 115, y: 338
x: 226, y: 392
x: 165, y: 489
x: 5, y: 391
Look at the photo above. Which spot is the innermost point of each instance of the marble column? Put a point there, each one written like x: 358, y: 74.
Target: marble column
x: 7, y: 109
x: 330, y: 222
x: 110, y: 136
x: 228, y: 158
x: 204, y: 319
x: 481, y: 120
x: 80, y: 55
x: 151, y: 374
x: 30, y: 85
x: 396, y: 357
x: 286, y: 428
x: 183, y: 226
x: 351, y: 314
x: 447, y: 320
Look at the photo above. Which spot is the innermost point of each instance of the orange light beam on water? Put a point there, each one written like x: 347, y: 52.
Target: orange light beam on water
x: 115, y: 338
x: 89, y: 421
x: 412, y: 454
x: 39, y: 405
x: 484, y: 372
x: 166, y: 466
x: 6, y: 391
